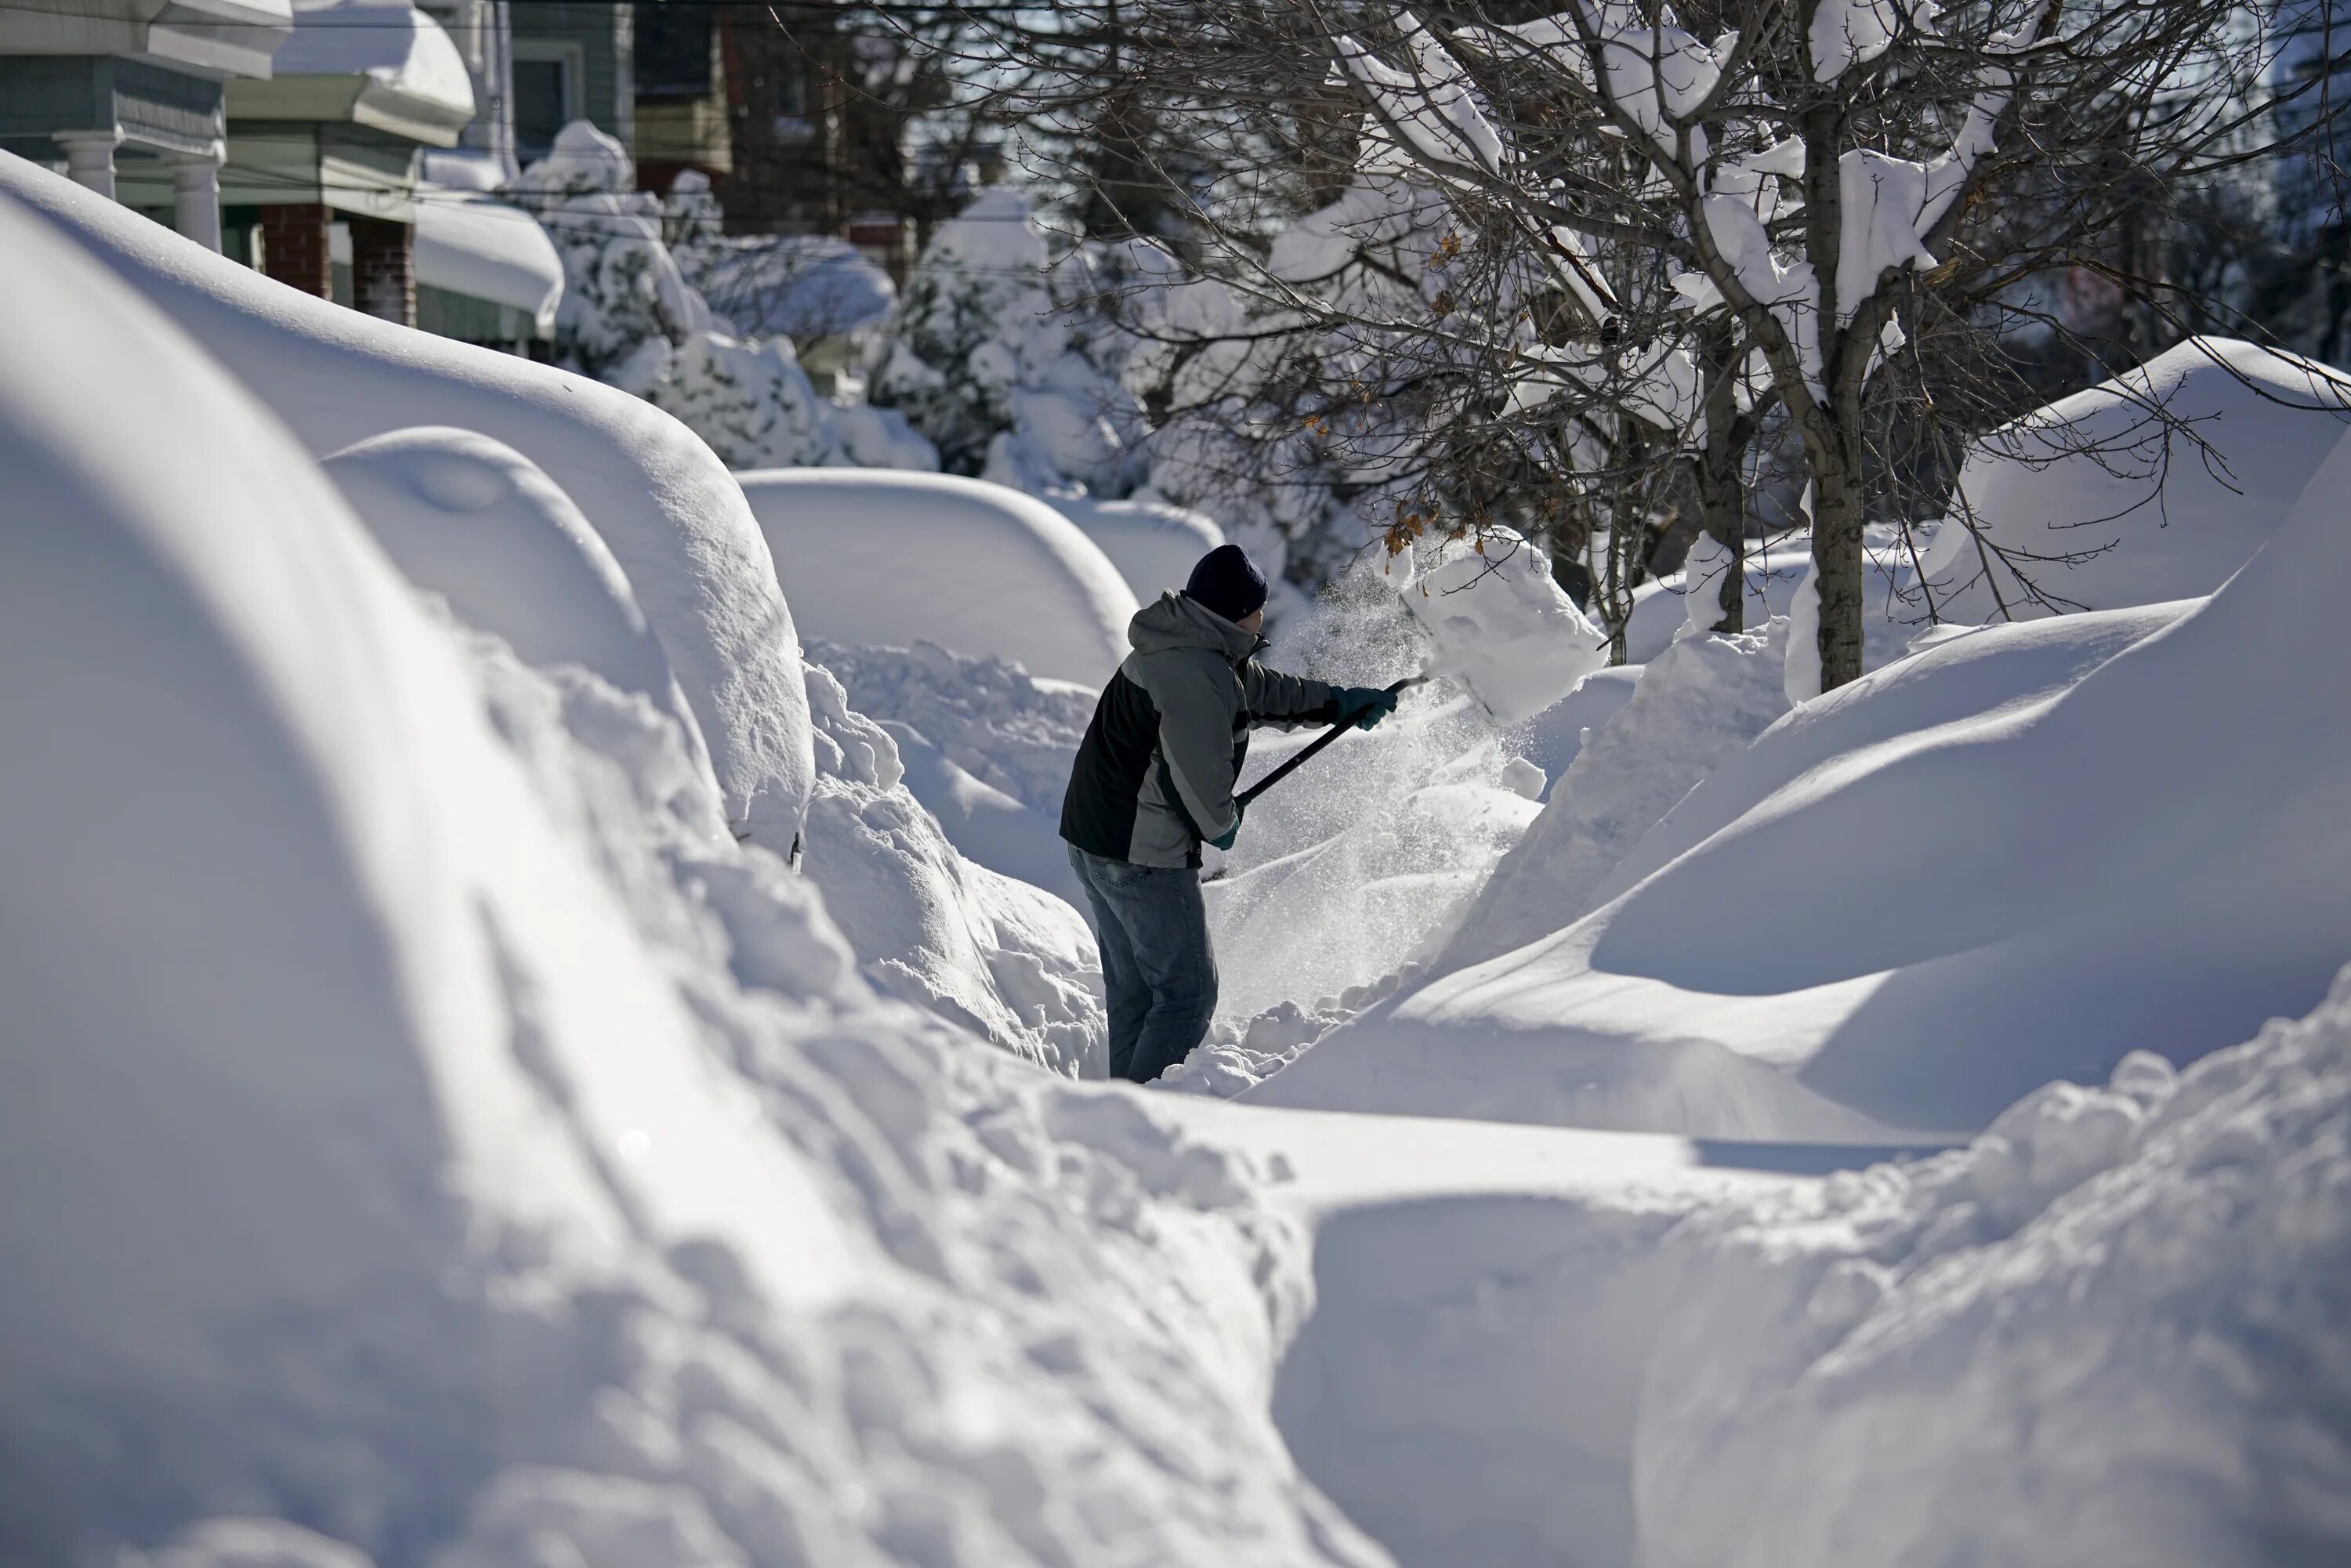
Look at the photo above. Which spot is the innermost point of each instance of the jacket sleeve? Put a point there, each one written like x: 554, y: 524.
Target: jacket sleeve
x: 1271, y: 698
x: 1196, y: 709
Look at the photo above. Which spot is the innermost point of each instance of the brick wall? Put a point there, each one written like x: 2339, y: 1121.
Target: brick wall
x: 384, y: 269
x: 294, y: 247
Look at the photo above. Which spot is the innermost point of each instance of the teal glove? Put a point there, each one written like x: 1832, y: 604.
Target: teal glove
x: 1226, y: 840
x: 1365, y: 706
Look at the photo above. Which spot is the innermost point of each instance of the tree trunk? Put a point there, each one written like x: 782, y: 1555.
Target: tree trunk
x: 1837, y: 514
x: 1722, y: 500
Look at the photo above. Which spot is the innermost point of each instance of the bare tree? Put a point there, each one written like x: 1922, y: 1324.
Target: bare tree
x: 1668, y: 231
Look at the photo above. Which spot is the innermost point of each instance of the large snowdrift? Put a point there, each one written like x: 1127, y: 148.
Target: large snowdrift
x: 2152, y: 486
x: 418, y: 1137
x: 475, y: 521
x: 669, y: 510
x: 887, y: 559
x: 1950, y: 880
x: 2109, y: 1330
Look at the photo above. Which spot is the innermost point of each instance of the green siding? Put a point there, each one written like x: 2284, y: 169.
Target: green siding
x: 605, y: 34
x: 154, y: 106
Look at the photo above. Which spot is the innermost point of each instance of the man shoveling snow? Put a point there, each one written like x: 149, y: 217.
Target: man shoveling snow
x: 1154, y: 780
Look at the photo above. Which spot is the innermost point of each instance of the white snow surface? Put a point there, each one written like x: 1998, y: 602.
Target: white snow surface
x: 2152, y: 486
x: 1702, y: 701
x: 1932, y: 954
x: 2109, y: 1330
x: 669, y: 512
x: 423, y: 1148
x: 1154, y: 544
x: 1006, y: 959
x: 872, y: 556
x: 473, y: 243
x: 395, y: 45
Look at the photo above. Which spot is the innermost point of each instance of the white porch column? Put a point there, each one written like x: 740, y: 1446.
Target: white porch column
x: 89, y: 158
x: 195, y: 194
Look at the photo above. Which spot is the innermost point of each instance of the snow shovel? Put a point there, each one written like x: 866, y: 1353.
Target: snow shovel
x: 1325, y: 739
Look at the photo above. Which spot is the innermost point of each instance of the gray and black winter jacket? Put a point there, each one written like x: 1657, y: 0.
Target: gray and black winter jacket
x: 1155, y: 775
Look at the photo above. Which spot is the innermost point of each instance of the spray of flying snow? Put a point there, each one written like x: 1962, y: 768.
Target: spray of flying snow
x: 1361, y: 862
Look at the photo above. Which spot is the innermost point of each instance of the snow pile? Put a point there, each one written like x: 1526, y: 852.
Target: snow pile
x: 1702, y: 700
x: 1154, y: 544
x: 1011, y: 733
x: 2152, y: 486
x: 439, y: 1147
x: 1931, y: 952
x: 671, y: 516
x: 1009, y: 962
x: 1497, y: 621
x: 879, y: 559
x: 2109, y: 1330
x: 480, y: 524
x: 986, y: 749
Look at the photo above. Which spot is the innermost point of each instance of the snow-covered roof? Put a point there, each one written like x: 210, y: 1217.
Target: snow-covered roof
x: 473, y: 244
x: 415, y: 81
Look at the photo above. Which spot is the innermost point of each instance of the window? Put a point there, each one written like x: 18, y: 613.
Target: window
x: 547, y: 86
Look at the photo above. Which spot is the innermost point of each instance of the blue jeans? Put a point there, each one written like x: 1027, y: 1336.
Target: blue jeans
x: 1156, y: 963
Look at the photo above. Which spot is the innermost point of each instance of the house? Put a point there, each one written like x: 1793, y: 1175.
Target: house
x: 819, y: 127
x: 131, y: 95
x: 572, y: 59
x: 682, y: 107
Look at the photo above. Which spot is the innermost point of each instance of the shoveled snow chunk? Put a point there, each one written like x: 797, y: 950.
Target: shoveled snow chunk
x: 1499, y: 622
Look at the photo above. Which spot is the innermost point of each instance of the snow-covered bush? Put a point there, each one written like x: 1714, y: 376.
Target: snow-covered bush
x: 984, y: 362
x: 622, y: 289
x: 630, y: 318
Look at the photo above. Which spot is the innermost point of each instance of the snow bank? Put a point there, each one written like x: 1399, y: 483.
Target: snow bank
x: 1007, y: 961
x: 886, y: 559
x: 2152, y: 486
x: 1702, y: 700
x: 440, y: 1142
x: 1012, y: 733
x: 669, y: 512
x: 1926, y: 950
x: 2109, y: 1330
x: 1154, y: 544
x: 474, y: 521
x: 321, y: 1036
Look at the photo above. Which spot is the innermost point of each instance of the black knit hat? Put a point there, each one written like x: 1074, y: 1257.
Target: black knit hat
x: 1228, y: 582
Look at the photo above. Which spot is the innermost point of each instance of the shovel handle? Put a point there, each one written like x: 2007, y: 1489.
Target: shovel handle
x: 1320, y: 741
